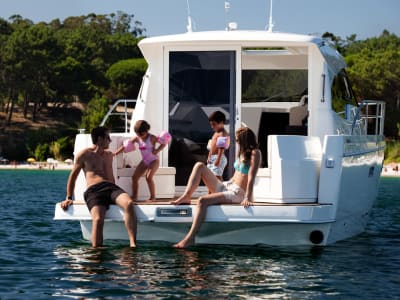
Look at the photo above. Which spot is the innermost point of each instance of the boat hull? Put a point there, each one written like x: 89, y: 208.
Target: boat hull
x: 235, y: 233
x: 224, y: 224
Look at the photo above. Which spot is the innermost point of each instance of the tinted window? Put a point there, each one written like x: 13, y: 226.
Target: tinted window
x: 200, y: 82
x: 273, y: 85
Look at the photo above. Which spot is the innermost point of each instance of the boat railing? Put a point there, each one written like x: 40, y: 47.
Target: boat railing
x: 371, y: 114
x: 120, y: 108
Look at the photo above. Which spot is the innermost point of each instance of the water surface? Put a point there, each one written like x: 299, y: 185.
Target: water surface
x: 41, y: 258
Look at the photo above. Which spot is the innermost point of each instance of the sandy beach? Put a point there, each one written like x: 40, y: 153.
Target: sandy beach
x: 391, y: 170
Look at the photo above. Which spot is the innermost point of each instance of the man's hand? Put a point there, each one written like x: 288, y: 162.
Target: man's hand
x: 66, y: 203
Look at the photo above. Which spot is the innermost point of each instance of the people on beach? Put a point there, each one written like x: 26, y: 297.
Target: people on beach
x: 96, y: 162
x: 150, y: 160
x: 239, y: 189
x: 219, y: 142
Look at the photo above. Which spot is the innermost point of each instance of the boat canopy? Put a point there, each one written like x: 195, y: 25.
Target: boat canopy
x: 294, y: 43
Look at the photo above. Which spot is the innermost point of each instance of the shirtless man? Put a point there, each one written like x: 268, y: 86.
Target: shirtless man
x: 101, y: 191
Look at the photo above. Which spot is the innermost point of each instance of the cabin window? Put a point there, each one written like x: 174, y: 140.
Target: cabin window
x: 273, y: 85
x: 200, y: 82
x: 265, y: 86
x: 342, y: 93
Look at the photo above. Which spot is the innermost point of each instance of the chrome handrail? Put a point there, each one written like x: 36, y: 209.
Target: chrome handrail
x: 124, y: 113
x: 364, y: 114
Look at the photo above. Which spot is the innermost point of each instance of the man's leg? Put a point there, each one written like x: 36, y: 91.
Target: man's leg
x: 126, y: 203
x: 98, y: 213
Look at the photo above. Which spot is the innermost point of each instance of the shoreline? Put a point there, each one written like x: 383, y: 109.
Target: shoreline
x: 387, y: 170
x: 36, y: 166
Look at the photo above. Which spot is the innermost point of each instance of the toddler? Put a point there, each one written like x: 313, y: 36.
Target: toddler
x: 150, y: 161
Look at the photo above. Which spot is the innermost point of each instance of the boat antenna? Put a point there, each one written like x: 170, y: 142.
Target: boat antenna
x: 189, y: 25
x: 227, y: 7
x: 270, y: 24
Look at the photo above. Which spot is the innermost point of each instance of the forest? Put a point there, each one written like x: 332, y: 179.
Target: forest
x: 63, y: 75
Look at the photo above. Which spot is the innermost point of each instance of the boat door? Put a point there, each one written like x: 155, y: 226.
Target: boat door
x: 200, y: 82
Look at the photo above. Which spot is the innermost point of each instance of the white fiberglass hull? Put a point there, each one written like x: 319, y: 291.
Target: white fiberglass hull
x: 224, y: 224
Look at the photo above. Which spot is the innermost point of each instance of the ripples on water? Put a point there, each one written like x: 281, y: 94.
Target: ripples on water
x: 41, y: 258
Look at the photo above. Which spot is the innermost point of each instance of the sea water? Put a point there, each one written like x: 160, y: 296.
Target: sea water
x: 41, y: 258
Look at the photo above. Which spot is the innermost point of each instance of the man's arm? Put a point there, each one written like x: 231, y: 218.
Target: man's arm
x: 73, y: 175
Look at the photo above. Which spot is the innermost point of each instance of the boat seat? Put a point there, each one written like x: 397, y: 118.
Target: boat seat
x: 128, y: 172
x: 292, y: 173
x: 164, y: 181
x: 298, y: 115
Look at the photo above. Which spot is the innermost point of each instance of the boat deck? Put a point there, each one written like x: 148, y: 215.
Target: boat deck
x: 194, y: 202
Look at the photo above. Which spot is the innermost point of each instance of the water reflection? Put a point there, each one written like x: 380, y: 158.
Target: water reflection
x: 222, y: 272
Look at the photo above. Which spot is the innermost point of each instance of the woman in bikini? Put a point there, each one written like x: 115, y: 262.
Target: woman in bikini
x: 239, y: 189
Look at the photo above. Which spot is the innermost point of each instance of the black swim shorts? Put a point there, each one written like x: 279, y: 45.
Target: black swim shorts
x: 103, y: 193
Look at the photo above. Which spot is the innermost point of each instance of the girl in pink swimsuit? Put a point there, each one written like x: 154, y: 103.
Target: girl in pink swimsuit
x: 150, y: 161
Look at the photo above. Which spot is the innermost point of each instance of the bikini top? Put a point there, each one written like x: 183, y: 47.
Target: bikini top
x: 241, y: 167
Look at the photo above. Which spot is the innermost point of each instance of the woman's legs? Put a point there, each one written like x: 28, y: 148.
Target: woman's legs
x: 199, y: 172
x: 198, y: 219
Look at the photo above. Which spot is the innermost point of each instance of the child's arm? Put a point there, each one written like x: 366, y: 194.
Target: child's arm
x: 222, y: 143
x: 159, y: 148
x: 219, y: 154
x: 119, y: 150
x: 211, y: 146
x: 127, y: 146
x: 163, y: 139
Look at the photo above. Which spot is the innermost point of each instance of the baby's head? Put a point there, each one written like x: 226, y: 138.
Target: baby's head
x: 141, y: 127
x: 217, y: 120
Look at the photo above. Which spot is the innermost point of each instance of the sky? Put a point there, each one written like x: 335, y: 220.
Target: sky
x: 365, y: 18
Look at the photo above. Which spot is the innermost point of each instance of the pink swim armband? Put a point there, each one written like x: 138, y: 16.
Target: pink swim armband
x: 222, y: 142
x: 128, y: 146
x: 164, y: 137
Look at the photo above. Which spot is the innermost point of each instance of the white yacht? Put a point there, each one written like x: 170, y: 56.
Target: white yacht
x: 322, y: 148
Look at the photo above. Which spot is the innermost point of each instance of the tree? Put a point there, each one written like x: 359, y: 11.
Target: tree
x: 42, y: 152
x: 94, y: 113
x: 126, y: 77
x: 374, y: 69
x: 61, y: 148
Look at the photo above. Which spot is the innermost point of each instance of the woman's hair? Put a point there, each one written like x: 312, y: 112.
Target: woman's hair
x: 246, y: 139
x: 141, y: 126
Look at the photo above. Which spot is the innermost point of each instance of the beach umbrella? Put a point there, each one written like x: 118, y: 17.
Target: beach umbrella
x: 31, y: 160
